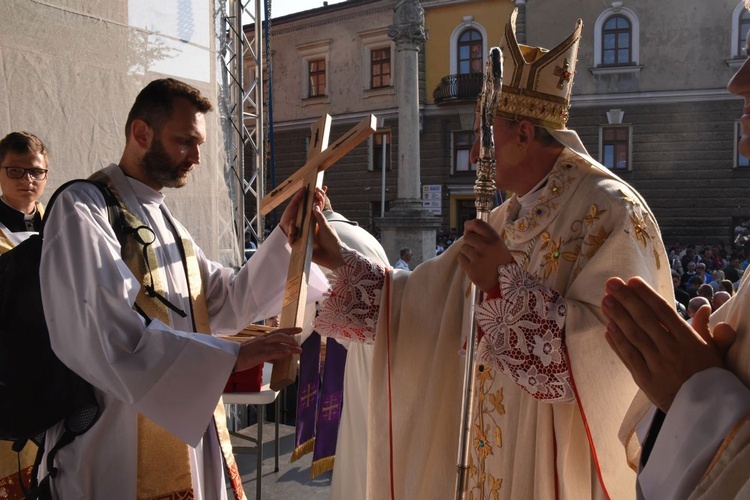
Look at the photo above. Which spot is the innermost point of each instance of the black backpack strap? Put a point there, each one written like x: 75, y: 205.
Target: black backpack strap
x: 86, y: 416
x: 43, y: 490
x: 114, y: 210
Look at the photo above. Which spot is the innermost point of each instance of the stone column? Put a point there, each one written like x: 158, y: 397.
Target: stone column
x: 407, y: 223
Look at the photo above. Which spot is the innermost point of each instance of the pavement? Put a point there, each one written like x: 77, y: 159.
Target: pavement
x: 292, y: 481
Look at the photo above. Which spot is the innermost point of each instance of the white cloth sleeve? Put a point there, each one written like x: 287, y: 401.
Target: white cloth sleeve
x: 704, y: 411
x: 257, y: 290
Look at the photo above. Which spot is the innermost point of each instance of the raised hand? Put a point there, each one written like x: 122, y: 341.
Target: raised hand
x: 482, y: 251
x: 326, y: 246
x: 288, y: 221
x: 661, y: 350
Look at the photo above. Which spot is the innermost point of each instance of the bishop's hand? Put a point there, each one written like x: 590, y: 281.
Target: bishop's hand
x: 326, y: 246
x: 482, y: 251
x: 289, y: 218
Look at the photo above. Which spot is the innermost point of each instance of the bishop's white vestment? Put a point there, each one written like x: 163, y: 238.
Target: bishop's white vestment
x: 549, y: 393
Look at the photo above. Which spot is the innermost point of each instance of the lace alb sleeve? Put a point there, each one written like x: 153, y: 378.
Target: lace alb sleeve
x: 350, y: 310
x: 524, y: 335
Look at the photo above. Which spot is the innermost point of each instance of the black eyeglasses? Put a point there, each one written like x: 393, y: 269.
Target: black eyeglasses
x: 38, y: 174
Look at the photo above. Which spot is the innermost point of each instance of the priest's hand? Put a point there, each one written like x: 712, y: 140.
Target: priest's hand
x: 326, y: 246
x: 275, y: 345
x: 661, y: 350
x: 482, y: 251
x: 289, y: 218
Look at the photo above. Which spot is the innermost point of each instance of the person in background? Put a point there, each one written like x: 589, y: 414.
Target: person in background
x: 720, y: 298
x: 24, y: 162
x: 23, y: 176
x: 403, y: 260
x: 350, y: 472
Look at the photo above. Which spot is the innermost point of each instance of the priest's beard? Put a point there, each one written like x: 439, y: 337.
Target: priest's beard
x: 159, y: 166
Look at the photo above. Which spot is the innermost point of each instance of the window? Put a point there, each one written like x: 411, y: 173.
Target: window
x: 616, y: 41
x: 744, y: 26
x: 615, y: 147
x: 740, y: 26
x: 462, y: 142
x: 314, y: 58
x: 376, y: 151
x: 470, y: 53
x: 468, y: 46
x: 377, y: 70
x: 739, y: 160
x: 380, y: 68
x: 316, y: 74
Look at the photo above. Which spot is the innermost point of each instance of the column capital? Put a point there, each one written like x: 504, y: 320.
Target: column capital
x: 408, y: 24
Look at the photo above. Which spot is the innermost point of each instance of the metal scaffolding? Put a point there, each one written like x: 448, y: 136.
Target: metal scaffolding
x: 243, y: 112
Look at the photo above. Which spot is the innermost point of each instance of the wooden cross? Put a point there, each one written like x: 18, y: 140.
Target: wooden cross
x: 319, y: 158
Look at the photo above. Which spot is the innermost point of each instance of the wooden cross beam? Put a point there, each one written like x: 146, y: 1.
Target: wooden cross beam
x: 319, y: 158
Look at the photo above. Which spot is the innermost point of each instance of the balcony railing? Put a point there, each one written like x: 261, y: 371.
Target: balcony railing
x: 458, y: 88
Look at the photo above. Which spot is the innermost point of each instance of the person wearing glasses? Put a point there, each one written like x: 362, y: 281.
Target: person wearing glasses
x: 23, y: 175
x: 137, y: 318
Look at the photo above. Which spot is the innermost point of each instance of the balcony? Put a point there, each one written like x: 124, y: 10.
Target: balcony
x: 458, y: 88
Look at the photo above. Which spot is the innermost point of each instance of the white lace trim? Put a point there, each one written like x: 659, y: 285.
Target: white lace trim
x: 350, y: 310
x: 525, y: 335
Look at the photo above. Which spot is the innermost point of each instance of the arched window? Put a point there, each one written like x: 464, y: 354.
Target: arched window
x: 470, y: 52
x: 740, y: 26
x: 468, y: 46
x: 744, y: 26
x: 617, y: 41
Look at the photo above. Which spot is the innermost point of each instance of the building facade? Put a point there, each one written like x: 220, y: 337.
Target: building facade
x: 649, y: 101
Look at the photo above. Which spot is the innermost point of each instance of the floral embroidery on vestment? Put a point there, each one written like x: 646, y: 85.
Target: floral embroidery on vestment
x: 488, y: 436
x: 351, y: 309
x: 524, y: 335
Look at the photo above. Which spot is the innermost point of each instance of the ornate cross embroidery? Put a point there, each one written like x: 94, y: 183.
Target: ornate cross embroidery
x: 309, y: 393
x: 330, y: 407
x: 563, y: 73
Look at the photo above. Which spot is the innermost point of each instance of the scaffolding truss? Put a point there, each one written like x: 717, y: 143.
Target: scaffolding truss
x: 243, y: 112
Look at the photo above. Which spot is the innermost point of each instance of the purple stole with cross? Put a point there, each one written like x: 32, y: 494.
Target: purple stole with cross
x: 319, y: 403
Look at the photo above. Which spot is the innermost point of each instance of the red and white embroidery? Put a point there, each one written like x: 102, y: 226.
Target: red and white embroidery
x: 351, y: 308
x: 524, y: 335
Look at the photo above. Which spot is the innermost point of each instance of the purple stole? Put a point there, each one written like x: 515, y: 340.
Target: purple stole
x: 319, y: 403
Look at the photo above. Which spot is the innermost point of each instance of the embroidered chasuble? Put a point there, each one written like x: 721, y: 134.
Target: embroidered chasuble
x: 549, y: 392
x: 163, y: 462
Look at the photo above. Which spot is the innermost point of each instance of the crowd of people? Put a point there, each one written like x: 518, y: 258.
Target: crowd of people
x: 705, y: 275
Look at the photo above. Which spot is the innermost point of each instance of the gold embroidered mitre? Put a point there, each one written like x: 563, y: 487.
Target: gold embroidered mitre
x: 537, y: 82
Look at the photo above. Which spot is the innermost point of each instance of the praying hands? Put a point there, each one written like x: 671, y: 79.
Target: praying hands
x: 661, y: 350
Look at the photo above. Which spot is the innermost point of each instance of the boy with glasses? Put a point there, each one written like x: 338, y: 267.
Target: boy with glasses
x: 23, y: 175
